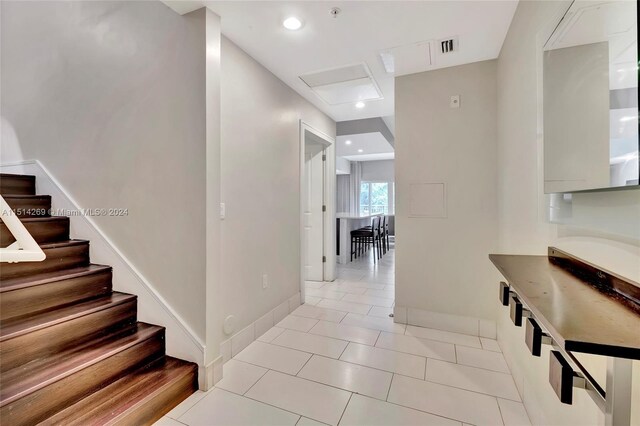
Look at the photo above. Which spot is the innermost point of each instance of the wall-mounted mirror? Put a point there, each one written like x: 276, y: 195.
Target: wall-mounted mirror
x: 590, y: 75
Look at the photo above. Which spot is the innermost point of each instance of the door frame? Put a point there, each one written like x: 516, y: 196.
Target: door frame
x: 313, y: 196
x: 329, y: 225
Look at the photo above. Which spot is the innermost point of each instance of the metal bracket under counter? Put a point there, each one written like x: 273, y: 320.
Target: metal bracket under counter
x: 574, y: 306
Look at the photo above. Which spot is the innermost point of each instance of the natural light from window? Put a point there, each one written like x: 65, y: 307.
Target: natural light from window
x: 376, y: 198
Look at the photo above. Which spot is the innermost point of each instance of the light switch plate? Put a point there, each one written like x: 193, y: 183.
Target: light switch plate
x: 454, y: 102
x: 223, y: 211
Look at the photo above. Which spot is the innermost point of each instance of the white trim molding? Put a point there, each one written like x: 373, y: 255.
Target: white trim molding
x: 329, y: 231
x: 243, y: 338
x: 181, y: 341
x: 447, y: 322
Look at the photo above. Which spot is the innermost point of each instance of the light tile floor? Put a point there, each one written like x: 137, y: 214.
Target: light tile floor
x: 340, y: 359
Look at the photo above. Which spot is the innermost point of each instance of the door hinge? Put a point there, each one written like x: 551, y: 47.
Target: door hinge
x: 324, y: 157
x: 324, y: 208
x: 324, y: 259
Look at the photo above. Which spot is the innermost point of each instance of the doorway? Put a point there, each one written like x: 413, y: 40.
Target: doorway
x: 317, y: 206
x: 312, y: 212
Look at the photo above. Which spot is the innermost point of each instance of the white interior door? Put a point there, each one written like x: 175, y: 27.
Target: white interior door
x: 313, y: 219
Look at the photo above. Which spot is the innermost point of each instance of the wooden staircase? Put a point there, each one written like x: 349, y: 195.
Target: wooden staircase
x: 71, y: 349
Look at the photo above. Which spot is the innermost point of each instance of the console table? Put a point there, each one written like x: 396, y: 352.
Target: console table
x: 576, y: 306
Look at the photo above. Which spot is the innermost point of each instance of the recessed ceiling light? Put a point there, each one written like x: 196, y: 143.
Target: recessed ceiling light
x: 347, y: 142
x: 359, y: 104
x: 360, y: 150
x: 292, y: 23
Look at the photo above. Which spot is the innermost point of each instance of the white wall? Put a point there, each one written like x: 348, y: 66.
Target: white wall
x: 110, y: 97
x: 343, y: 194
x: 441, y: 263
x: 601, y: 227
x: 212, y: 38
x: 260, y: 185
x: 378, y: 171
x: 343, y: 166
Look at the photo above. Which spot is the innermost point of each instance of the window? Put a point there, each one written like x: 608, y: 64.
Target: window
x: 375, y: 198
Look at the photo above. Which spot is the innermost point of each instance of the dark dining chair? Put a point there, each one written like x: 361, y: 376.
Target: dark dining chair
x: 363, y: 237
x: 386, y: 233
x: 383, y: 234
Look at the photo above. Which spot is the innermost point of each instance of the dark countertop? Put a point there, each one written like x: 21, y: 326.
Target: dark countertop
x: 579, y: 316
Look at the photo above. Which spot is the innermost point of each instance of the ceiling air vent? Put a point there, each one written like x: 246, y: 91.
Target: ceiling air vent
x: 449, y: 45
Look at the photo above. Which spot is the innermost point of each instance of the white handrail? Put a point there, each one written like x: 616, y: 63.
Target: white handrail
x: 25, y: 248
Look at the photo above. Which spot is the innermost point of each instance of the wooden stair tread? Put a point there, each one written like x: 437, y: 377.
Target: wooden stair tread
x: 43, y: 229
x: 44, y: 219
x: 60, y: 255
x: 71, y: 351
x: 16, y: 283
x: 30, y: 377
x: 29, y: 205
x: 8, y: 197
x: 65, y: 243
x: 17, y: 176
x: 14, y: 327
x: 132, y: 391
x: 17, y: 184
x: 43, y: 291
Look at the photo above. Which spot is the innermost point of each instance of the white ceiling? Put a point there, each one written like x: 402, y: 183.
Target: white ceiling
x: 371, y: 157
x: 374, y: 146
x: 358, y: 34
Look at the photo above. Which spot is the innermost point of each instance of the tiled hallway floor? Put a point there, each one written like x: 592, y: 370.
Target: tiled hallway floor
x: 340, y: 359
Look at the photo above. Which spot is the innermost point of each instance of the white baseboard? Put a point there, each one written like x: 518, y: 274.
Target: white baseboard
x: 181, y: 341
x: 211, y: 374
x: 240, y: 340
x: 446, y: 322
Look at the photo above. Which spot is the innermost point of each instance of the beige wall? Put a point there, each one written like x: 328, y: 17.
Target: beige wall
x: 601, y: 227
x: 110, y: 97
x: 260, y: 185
x: 123, y: 114
x: 441, y: 263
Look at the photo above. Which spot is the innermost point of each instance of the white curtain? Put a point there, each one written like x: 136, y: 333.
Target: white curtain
x: 343, y: 194
x: 354, y: 187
